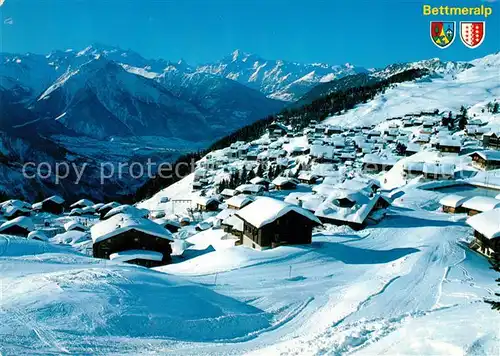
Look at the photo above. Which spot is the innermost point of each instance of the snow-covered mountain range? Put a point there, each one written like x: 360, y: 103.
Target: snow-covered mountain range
x: 277, y: 79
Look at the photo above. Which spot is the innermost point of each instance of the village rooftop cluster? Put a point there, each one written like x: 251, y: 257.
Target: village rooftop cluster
x: 282, y: 187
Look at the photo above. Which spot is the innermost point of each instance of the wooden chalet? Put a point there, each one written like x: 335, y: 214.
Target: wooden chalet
x: 491, y: 140
x: 131, y: 239
x: 452, y: 204
x: 106, y: 208
x: 268, y: 223
x: 239, y: 201
x: 20, y: 226
x: 448, y: 145
x: 83, y: 203
x: 486, y: 232
x: 437, y: 171
x: 53, y: 205
x: 486, y: 160
x: 206, y: 203
x: 285, y: 183
x: 480, y: 204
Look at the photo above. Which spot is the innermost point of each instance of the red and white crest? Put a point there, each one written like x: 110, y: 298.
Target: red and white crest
x: 472, y: 33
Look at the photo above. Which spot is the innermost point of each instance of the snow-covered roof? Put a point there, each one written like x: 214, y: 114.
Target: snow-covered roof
x: 306, y: 175
x: 76, y: 211
x: 489, y: 155
x: 321, y: 151
x: 278, y: 181
x: 376, y: 159
x: 229, y: 192
x: 73, y: 225
x: 413, y: 166
x: 356, y: 214
x: 481, y: 203
x: 294, y: 198
x: 234, y: 221
x: 453, y: 200
x: 439, y: 168
x: 56, y: 199
x: 13, y: 209
x: 266, y: 210
x: 124, y: 256
x: 120, y: 223
x: 22, y: 221
x: 38, y: 234
x: 449, y: 142
x: 239, y: 201
x: 259, y: 180
x: 82, y: 202
x: 204, y: 201
x: 252, y: 188
x: 37, y: 206
x: 487, y: 223
x: 110, y: 205
x: 15, y: 202
x: 127, y: 209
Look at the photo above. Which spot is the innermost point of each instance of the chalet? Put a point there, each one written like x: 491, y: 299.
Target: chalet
x: 132, y: 239
x: 480, y: 204
x: 486, y: 160
x: 285, y: 183
x: 377, y: 163
x: 233, y: 225
x: 351, y: 208
x: 206, y: 203
x: 413, y: 168
x: 347, y: 156
x: 277, y: 129
x: 250, y: 189
x: 83, y: 203
x: 20, y: 226
x: 452, y: 203
x: 228, y: 193
x: 492, y: 140
x: 321, y: 153
x: 252, y: 156
x: 239, y: 201
x: 438, y: 171
x: 171, y: 225
x: 412, y: 148
x: 74, y: 225
x: 269, y: 223
x: 89, y: 210
x: 75, y: 212
x: 374, y: 134
x: 14, y: 211
x: 448, y: 145
x: 486, y: 232
x: 53, y: 205
x: 261, y: 181
x: 106, y: 208
x: 38, y: 235
x: 422, y: 139
x: 307, y: 177
x: 127, y: 209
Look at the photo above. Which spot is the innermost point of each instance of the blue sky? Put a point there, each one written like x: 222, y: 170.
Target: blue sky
x: 368, y: 33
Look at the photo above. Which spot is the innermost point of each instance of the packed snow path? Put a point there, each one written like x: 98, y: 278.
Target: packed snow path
x: 408, y: 285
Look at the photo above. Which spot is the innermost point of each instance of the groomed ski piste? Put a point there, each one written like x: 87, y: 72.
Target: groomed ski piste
x: 409, y: 285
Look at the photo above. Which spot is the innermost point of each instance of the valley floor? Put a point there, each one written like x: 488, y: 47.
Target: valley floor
x: 409, y: 285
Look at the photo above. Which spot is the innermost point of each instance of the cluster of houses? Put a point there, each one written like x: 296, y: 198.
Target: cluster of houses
x: 484, y: 218
x: 300, y: 180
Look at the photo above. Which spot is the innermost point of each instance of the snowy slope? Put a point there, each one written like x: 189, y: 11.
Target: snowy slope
x: 480, y: 83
